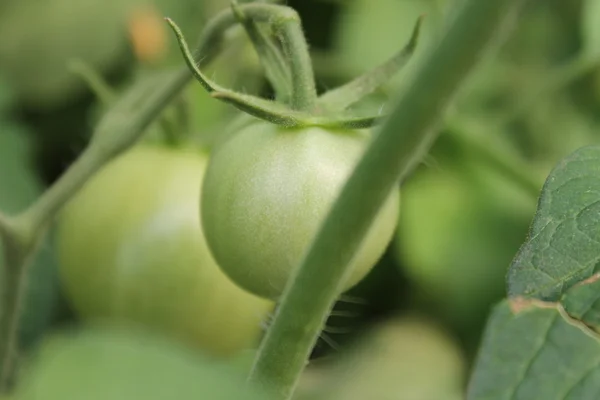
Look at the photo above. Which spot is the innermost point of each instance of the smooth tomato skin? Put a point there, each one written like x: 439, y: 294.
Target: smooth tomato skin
x: 131, y: 248
x: 266, y: 192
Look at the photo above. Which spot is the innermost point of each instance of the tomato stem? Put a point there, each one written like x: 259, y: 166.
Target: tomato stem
x: 17, y: 251
x: 276, y: 68
x: 287, y: 21
x: 287, y: 25
x: 12, y: 298
x: 402, y: 141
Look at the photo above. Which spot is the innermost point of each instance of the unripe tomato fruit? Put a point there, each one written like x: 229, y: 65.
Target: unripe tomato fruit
x: 131, y: 248
x: 266, y: 192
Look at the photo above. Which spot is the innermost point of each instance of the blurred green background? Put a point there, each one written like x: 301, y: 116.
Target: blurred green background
x: 466, y: 208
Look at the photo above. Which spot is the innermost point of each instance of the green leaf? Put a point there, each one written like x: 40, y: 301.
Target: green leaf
x: 531, y: 351
x: 582, y: 302
x: 564, y: 241
x: 101, y: 364
x: 590, y: 26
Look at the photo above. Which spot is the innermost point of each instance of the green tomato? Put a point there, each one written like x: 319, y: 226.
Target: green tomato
x: 100, y: 364
x: 131, y: 248
x: 267, y: 191
x: 39, y: 38
x: 399, y: 358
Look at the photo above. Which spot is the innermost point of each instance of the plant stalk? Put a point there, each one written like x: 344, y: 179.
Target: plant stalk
x: 402, y: 141
x: 17, y: 250
x: 275, y: 66
x: 286, y: 23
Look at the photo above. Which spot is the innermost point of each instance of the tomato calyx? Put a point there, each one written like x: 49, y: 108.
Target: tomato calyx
x: 299, y: 106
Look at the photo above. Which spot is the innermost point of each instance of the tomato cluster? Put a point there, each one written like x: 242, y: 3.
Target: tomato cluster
x: 132, y: 243
x: 201, y: 246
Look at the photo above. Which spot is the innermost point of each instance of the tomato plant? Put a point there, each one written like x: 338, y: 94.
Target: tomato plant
x: 268, y: 189
x: 295, y: 203
x: 131, y: 248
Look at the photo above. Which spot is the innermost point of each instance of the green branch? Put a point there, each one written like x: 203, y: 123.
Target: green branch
x: 275, y: 66
x: 403, y: 140
x: 287, y: 25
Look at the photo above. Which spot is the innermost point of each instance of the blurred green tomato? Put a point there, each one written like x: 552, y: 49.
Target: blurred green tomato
x: 402, y: 358
x: 458, y: 234
x: 131, y: 248
x: 121, y: 365
x: 39, y: 38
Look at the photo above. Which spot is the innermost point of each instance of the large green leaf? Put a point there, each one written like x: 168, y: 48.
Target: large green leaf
x: 106, y: 364
x: 533, y: 351
x: 536, y: 349
x: 564, y: 241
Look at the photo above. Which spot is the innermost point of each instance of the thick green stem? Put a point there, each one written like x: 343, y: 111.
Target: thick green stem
x: 12, y: 299
x: 403, y: 140
x: 304, y: 93
x: 17, y: 248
